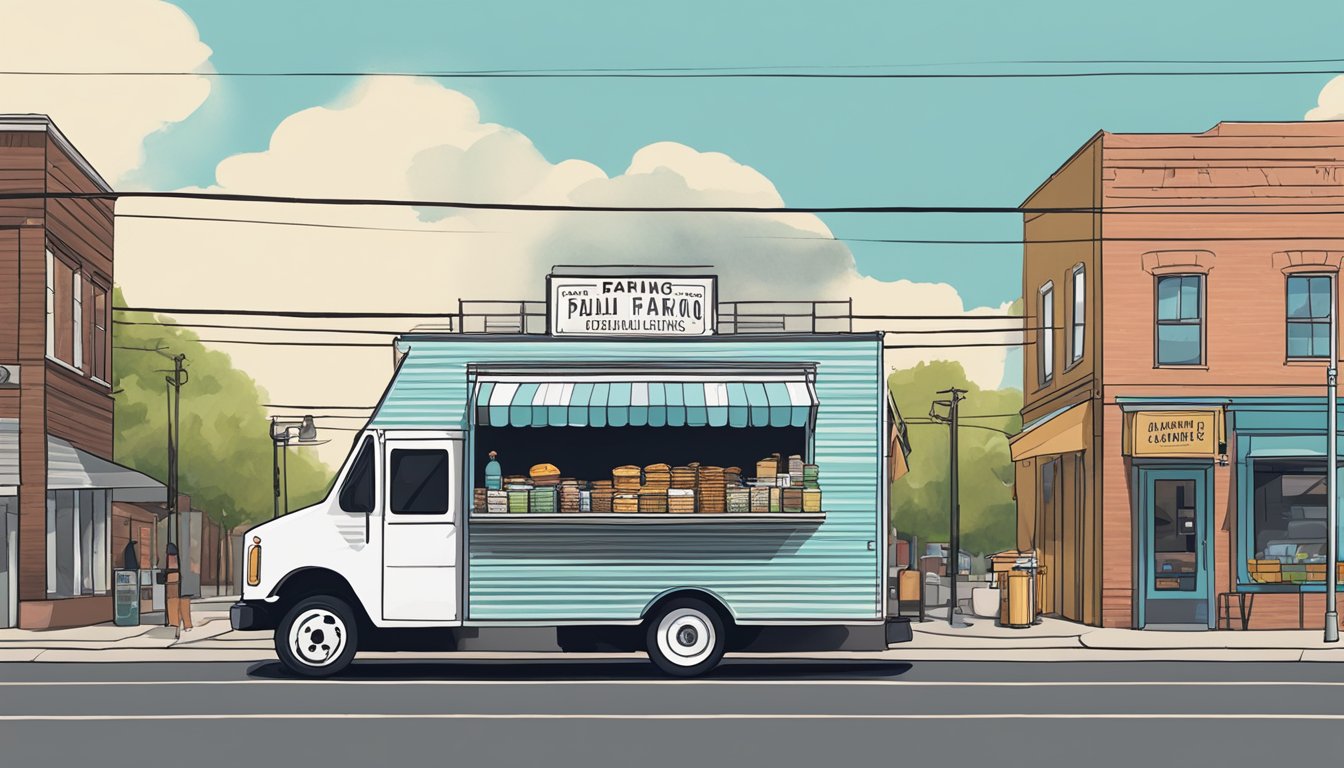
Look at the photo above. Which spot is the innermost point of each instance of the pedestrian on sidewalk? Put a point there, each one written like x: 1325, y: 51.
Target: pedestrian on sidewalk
x: 130, y: 559
x: 179, y: 605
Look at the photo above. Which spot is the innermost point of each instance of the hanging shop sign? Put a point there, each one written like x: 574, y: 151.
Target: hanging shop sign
x: 632, y: 306
x: 1175, y: 434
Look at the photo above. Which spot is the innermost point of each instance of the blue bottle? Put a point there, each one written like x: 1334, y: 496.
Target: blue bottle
x: 494, y: 476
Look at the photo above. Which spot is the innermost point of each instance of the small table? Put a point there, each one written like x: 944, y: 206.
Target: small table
x: 1246, y: 593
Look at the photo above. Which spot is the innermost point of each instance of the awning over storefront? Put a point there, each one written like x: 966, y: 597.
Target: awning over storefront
x: 587, y: 403
x: 1063, y: 431
x: 70, y: 468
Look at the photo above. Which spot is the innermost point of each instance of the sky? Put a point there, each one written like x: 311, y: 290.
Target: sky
x: 801, y: 142
x: 824, y: 142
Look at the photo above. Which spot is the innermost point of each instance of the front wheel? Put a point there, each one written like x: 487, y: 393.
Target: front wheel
x: 317, y: 637
x: 685, y: 638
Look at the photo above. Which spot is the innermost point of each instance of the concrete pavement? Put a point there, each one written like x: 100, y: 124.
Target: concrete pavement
x: 1051, y: 640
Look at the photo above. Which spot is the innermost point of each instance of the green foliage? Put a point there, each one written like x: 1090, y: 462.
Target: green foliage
x: 920, y: 500
x: 225, y: 454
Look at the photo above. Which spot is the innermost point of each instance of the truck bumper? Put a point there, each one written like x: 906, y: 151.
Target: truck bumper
x: 898, y: 630
x: 246, y: 615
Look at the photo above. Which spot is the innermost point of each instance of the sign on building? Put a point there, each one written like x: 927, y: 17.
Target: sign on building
x: 632, y: 306
x: 1175, y: 434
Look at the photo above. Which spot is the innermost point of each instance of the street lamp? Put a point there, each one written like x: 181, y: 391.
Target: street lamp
x: 281, y: 429
x: 1332, y: 471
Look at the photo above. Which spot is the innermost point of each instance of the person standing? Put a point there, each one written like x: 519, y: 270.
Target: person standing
x: 179, y: 605
x: 130, y: 559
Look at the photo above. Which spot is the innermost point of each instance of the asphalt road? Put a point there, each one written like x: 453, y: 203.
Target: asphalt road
x: 582, y: 713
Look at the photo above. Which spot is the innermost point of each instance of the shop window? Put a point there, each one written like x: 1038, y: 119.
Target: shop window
x: 419, y: 482
x: 357, y: 490
x: 1289, y: 522
x: 1078, y: 321
x: 76, y: 528
x: 1309, y: 316
x: 1045, y: 345
x: 1180, y: 320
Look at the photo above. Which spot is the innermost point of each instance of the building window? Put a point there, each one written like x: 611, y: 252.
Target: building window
x: 62, y: 332
x: 77, y: 526
x: 1180, y: 320
x: 1045, y: 345
x: 1078, y: 322
x: 1289, y: 523
x: 1309, y: 315
x: 51, y: 304
x: 99, y: 324
x: 77, y: 319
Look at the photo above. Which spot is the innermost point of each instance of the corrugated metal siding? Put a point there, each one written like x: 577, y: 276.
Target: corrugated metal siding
x: 763, y: 571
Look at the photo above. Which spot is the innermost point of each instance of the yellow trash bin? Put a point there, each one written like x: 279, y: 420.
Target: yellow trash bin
x: 1015, y: 605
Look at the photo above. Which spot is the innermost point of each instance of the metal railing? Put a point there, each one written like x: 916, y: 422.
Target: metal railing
x: 734, y: 317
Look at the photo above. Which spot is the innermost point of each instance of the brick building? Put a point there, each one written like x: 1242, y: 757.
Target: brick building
x: 57, y: 477
x: 1172, y: 463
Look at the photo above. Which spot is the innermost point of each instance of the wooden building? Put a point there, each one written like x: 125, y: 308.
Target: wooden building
x: 57, y: 476
x: 1171, y: 466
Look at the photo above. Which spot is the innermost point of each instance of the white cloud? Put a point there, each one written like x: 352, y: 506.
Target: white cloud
x: 409, y: 138
x: 1330, y: 104
x: 106, y: 117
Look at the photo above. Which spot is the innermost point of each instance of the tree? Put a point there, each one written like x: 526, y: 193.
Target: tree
x: 920, y: 500
x: 224, y: 458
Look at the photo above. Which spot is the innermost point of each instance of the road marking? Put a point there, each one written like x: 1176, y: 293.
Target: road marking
x: 711, y: 682
x: 723, y: 716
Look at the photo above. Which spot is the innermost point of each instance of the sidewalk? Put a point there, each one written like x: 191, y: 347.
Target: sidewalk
x: 1051, y: 640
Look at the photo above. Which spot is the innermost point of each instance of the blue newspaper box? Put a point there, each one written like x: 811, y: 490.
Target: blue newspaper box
x: 126, y: 597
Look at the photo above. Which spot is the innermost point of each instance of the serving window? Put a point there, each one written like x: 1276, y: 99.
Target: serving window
x: 657, y: 446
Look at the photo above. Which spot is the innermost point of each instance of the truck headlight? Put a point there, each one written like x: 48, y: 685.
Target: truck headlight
x: 254, y: 562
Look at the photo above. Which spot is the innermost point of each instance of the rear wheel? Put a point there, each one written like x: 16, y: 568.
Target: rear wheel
x: 685, y: 638
x: 317, y: 637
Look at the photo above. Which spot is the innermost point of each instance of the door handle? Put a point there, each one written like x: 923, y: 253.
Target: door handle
x: 1204, y: 553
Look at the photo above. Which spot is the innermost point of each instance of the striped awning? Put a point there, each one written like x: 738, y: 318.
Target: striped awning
x: 644, y: 403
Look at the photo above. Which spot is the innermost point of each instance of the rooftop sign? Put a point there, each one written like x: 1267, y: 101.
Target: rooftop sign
x: 643, y: 305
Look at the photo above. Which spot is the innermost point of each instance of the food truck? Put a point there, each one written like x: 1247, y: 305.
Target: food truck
x: 648, y: 471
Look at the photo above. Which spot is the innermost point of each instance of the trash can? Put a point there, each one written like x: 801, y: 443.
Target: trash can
x: 126, y: 597
x: 1015, y: 610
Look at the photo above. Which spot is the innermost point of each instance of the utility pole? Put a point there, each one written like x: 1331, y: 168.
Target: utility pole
x: 955, y: 396
x: 1332, y: 471
x: 280, y: 431
x: 175, y: 382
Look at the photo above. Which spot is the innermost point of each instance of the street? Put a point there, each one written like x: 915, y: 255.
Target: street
x: 750, y: 712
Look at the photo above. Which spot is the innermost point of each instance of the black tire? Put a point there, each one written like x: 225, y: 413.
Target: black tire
x: 685, y: 637
x: 318, y: 637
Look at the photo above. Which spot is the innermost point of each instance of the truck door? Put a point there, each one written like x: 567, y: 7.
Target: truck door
x: 420, y: 529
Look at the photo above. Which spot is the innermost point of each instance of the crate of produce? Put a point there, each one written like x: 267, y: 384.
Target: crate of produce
x: 796, y: 465
x: 653, y: 500
x: 478, y: 500
x: 518, y: 500
x: 658, y: 477
x: 682, y: 477
x: 681, y: 501
x: 568, y: 492
x: 544, y: 474
x: 625, y: 503
x: 586, y: 502
x: 766, y: 469
x: 1267, y: 578
x: 541, y: 501
x: 811, y: 499
x: 776, y: 500
x: 497, y: 502
x: 712, y: 491
x: 811, y: 476
x: 1264, y: 566
x: 739, y: 500
x: 627, y: 479
x: 760, y: 499
x: 732, y: 476
x: 791, y: 500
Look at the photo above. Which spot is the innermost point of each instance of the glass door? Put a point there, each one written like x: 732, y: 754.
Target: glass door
x: 1175, y: 517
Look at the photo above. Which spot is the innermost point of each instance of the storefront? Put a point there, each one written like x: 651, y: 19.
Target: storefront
x: 1229, y: 510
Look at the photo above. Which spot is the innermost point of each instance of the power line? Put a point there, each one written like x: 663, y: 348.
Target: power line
x: 257, y: 327
x: 969, y: 344
x: 295, y: 343
x: 225, y: 220
x: 728, y: 73
x: 282, y: 313
x: 1147, y: 209
x: 320, y: 406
